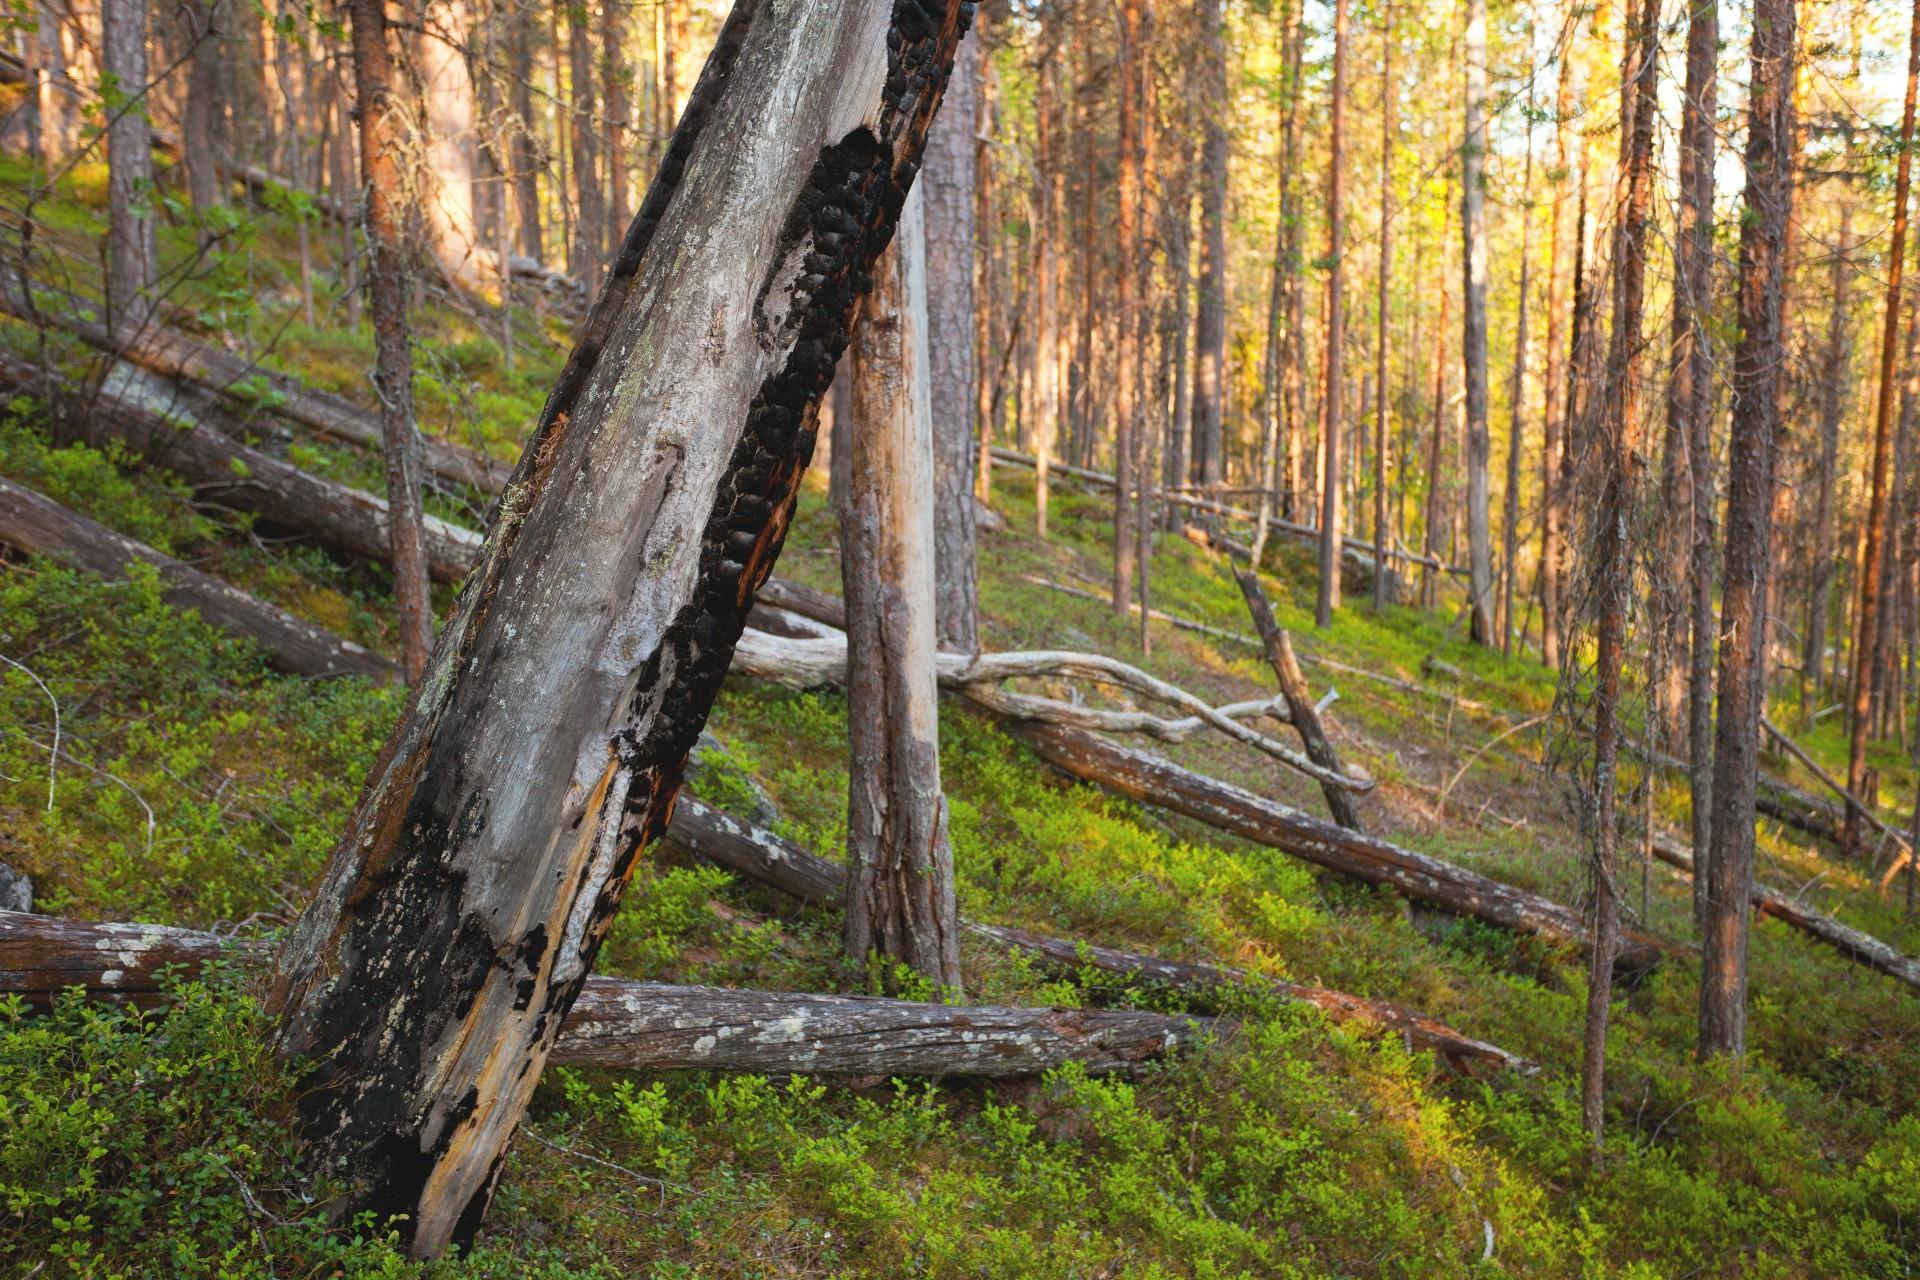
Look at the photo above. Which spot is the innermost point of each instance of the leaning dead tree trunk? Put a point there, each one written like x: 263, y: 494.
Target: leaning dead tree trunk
x: 1861, y: 948
x: 652, y: 1026
x: 901, y: 908
x: 1300, y: 706
x: 32, y: 523
x: 762, y: 856
x: 462, y: 911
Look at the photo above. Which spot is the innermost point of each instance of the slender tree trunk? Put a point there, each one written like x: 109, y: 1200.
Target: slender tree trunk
x: 1516, y: 400
x: 446, y: 180
x: 1613, y: 545
x: 1690, y: 404
x: 1880, y: 500
x: 583, y: 259
x: 1833, y: 407
x: 1287, y: 261
x: 1750, y: 462
x: 1552, y: 418
x: 132, y: 257
x: 200, y: 127
x: 900, y: 903
x: 614, y: 79
x: 427, y: 980
x: 526, y: 160
x: 1430, y: 518
x: 1210, y: 338
x: 1331, y: 516
x: 1389, y: 95
x: 1473, y: 312
x: 1051, y: 184
x: 382, y: 138
x: 948, y: 183
x: 1134, y: 20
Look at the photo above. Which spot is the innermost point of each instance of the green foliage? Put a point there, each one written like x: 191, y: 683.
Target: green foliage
x: 152, y: 510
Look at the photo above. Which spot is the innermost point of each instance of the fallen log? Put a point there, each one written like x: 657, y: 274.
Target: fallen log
x: 1846, y: 797
x: 1293, y: 686
x: 820, y: 660
x: 243, y: 382
x: 1451, y: 888
x: 36, y: 524
x: 234, y: 475
x: 762, y: 856
x: 651, y: 1026
x: 1861, y: 948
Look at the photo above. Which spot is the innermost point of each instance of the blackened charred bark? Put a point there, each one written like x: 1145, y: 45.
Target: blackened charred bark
x: 1743, y: 602
x: 462, y: 911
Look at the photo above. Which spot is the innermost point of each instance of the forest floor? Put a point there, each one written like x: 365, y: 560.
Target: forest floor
x: 191, y: 786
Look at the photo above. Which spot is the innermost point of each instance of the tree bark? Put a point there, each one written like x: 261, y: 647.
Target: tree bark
x: 1135, y: 22
x: 40, y: 526
x: 382, y: 139
x: 1756, y: 412
x: 132, y: 257
x: 1332, y: 521
x: 589, y: 233
x: 614, y: 79
x: 452, y: 146
x: 1301, y: 710
x: 462, y: 911
x: 1833, y: 408
x: 654, y: 1026
x: 1389, y: 98
x: 523, y: 149
x: 1612, y: 537
x: 1690, y: 403
x: 1516, y: 397
x: 1473, y: 335
x: 1880, y: 500
x: 900, y: 908
x: 1287, y: 266
x: 1210, y: 337
x: 1552, y: 419
x: 200, y: 126
x: 947, y: 180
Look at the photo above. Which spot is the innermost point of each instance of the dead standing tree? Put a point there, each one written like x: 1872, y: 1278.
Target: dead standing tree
x: 462, y: 911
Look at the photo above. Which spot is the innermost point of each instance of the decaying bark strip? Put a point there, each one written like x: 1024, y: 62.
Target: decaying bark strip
x: 38, y: 525
x: 1861, y: 948
x: 653, y: 1026
x: 460, y: 917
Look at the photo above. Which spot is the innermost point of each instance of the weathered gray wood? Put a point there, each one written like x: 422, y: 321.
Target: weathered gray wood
x: 34, y: 523
x: 1304, y: 715
x: 461, y: 914
x: 653, y: 1026
x: 1856, y: 945
x: 225, y: 471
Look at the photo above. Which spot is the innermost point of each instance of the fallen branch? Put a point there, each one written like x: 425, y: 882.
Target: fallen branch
x: 38, y: 525
x: 762, y: 856
x: 1847, y: 797
x: 650, y: 1026
x: 1293, y: 687
x: 805, y: 663
x: 1861, y: 948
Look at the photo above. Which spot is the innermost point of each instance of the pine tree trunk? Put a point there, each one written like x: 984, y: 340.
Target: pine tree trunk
x: 1833, y: 408
x: 1473, y: 340
x: 900, y: 903
x: 461, y: 914
x: 1750, y: 466
x: 1552, y: 417
x: 947, y: 180
x: 132, y: 258
x: 200, y: 125
x: 1332, y: 518
x: 614, y: 79
x: 1389, y: 95
x: 1880, y: 500
x: 1210, y: 339
x: 446, y: 180
x: 583, y: 257
x: 526, y: 163
x: 382, y: 138
x: 1612, y: 536
x: 1134, y: 68
x: 1516, y: 400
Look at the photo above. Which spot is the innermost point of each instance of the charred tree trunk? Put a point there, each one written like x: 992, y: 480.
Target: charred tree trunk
x: 462, y: 911
x: 40, y: 526
x: 1332, y: 518
x: 1473, y: 332
x: 132, y: 258
x: 382, y: 137
x: 949, y: 301
x: 1613, y: 540
x: 900, y: 905
x: 1880, y: 500
x: 1756, y: 412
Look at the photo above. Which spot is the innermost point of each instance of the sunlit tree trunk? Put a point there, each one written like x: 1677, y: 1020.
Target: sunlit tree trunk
x: 947, y: 178
x: 1473, y: 312
x: 132, y: 257
x: 1331, y: 516
x: 1389, y: 94
x: 1210, y: 338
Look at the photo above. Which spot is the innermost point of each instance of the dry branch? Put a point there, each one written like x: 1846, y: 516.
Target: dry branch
x: 1293, y: 687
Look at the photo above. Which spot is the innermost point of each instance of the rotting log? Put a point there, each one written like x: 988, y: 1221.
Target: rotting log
x: 1857, y: 946
x: 38, y: 525
x: 460, y: 916
x: 1293, y: 687
x: 1451, y: 888
x: 249, y: 385
x: 223, y: 470
x: 652, y: 1026
x: 762, y: 856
